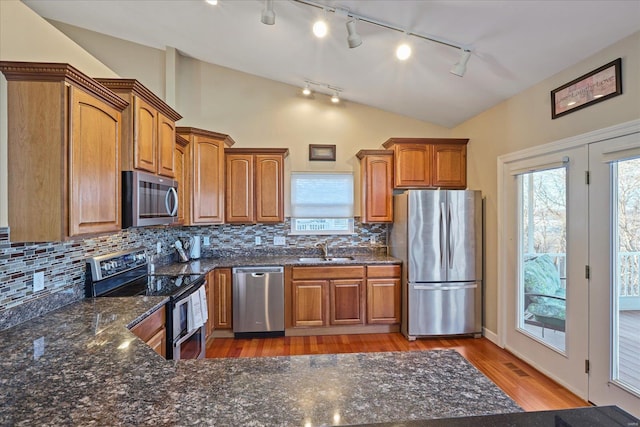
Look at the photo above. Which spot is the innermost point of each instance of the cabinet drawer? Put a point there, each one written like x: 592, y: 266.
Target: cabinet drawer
x: 150, y: 326
x: 383, y: 270
x: 344, y: 272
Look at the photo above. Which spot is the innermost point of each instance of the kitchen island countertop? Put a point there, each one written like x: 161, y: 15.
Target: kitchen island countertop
x: 80, y: 365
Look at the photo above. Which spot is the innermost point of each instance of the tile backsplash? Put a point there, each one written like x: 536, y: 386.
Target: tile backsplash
x: 64, y: 266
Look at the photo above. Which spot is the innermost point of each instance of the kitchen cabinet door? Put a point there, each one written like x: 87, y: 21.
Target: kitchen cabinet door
x: 347, y: 302
x: 239, y: 188
x: 211, y: 303
x: 269, y: 188
x: 450, y: 166
x: 95, y: 166
x: 412, y: 166
x: 152, y: 331
x: 376, y: 182
x: 63, y: 155
x: 145, y: 136
x: 310, y: 302
x: 181, y: 158
x: 383, y: 301
x: 222, y: 301
x: 383, y: 294
x: 206, y: 175
x: 166, y: 146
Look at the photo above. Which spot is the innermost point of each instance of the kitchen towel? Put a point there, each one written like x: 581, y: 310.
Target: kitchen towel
x: 195, y: 312
x: 203, y: 304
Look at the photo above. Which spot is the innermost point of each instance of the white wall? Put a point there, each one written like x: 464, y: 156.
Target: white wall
x: 25, y: 36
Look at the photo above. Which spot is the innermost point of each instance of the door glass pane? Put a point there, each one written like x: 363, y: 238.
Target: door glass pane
x: 626, y: 274
x: 543, y: 231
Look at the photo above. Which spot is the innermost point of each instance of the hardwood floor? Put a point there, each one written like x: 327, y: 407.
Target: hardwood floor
x: 529, y: 388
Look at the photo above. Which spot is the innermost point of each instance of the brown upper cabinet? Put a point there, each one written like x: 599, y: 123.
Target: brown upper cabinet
x: 181, y: 156
x: 204, y: 187
x: 429, y: 162
x: 148, y: 128
x: 254, y: 189
x: 63, y: 153
x: 376, y: 182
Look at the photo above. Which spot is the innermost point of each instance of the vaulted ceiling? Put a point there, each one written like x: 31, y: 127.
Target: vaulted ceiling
x: 514, y: 44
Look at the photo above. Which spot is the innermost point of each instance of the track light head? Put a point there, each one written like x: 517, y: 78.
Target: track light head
x: 268, y: 16
x: 460, y: 67
x: 354, y: 39
x: 335, y: 98
x: 307, y: 90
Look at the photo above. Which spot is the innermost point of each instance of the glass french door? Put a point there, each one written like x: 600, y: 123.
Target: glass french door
x: 547, y: 289
x: 614, y: 260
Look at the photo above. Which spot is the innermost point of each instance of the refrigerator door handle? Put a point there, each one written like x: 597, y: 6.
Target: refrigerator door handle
x: 442, y: 234
x: 444, y: 288
x: 450, y: 245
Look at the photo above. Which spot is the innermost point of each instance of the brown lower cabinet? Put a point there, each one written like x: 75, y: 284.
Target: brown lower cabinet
x: 222, y: 305
x: 383, y: 294
x: 152, y: 330
x: 325, y: 297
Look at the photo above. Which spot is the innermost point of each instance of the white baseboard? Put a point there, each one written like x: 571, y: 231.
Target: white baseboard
x: 491, y: 336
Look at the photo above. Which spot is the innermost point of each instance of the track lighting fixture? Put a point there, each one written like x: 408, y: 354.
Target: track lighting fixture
x: 332, y: 91
x: 320, y: 27
x: 354, y: 39
x: 268, y: 16
x: 403, y: 51
x: 460, y: 67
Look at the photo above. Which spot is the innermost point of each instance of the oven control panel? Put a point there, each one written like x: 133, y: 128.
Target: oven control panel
x: 105, y: 266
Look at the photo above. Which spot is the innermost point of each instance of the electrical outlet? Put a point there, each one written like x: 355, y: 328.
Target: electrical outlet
x: 206, y: 241
x: 38, y: 281
x: 158, y: 247
x: 278, y: 240
x: 258, y: 240
x: 373, y: 240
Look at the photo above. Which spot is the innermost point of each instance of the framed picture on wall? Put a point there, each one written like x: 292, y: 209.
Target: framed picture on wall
x: 596, y: 86
x: 322, y: 152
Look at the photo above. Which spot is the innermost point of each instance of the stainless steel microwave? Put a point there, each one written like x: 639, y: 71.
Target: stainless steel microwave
x: 148, y: 199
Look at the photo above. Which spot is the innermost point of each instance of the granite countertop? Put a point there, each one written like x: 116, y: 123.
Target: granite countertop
x: 80, y: 365
x: 204, y: 265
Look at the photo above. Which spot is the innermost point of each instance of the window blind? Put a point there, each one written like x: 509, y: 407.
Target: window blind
x: 321, y: 195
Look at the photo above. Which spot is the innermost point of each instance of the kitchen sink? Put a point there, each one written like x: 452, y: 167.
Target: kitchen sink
x: 327, y: 259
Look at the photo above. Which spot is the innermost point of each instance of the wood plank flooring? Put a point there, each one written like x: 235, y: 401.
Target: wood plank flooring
x: 529, y: 388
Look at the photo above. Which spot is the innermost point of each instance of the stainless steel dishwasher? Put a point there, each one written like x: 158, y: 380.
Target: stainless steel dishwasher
x: 258, y: 301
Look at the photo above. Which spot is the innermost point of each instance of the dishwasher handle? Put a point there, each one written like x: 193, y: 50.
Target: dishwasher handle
x: 257, y: 271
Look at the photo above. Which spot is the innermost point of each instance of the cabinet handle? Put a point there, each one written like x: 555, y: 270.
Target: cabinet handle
x: 170, y: 191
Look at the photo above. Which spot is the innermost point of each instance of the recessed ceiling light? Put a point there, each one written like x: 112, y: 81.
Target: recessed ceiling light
x: 403, y: 52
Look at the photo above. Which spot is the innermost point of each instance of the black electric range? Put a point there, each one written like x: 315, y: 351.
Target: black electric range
x: 125, y: 274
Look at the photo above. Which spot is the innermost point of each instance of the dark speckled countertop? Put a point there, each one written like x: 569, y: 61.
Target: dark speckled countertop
x: 204, y: 265
x: 80, y: 365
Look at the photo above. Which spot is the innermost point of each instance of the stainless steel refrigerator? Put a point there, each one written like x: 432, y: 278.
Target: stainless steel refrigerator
x: 438, y: 236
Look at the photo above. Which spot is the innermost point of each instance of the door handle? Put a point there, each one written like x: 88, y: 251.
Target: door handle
x: 450, y: 238
x: 442, y: 234
x: 257, y: 274
x: 444, y: 288
x: 170, y: 191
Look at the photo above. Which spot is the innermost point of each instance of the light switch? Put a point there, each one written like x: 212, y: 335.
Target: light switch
x: 278, y: 240
x: 207, y: 240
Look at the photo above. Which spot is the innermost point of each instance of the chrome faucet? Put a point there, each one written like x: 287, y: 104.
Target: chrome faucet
x: 324, y: 246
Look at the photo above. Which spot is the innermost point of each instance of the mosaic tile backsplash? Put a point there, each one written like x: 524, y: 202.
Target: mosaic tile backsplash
x: 64, y: 266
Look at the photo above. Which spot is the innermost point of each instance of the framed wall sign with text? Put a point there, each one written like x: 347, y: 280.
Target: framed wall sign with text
x: 596, y: 86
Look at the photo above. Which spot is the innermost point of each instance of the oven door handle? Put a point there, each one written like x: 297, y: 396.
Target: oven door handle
x: 171, y: 191
x: 185, y: 337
